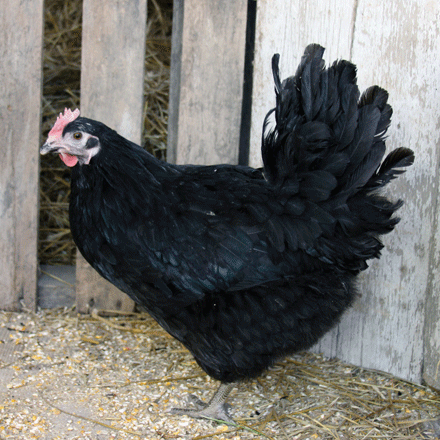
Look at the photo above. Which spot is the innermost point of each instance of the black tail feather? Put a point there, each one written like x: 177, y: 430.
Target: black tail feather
x: 391, y: 167
x: 328, y: 145
x: 276, y: 72
x: 323, y: 124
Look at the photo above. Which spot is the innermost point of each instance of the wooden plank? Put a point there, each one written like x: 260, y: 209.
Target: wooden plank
x: 175, y: 75
x: 113, y: 54
x: 385, y: 329
x: 207, y: 82
x: 21, y: 39
x: 431, y: 358
x: 395, y: 45
x: 404, y: 59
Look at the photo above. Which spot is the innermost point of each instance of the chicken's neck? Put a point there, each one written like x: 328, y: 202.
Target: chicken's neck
x: 123, y: 166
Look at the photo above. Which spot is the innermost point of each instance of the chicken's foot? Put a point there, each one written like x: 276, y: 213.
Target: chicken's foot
x: 216, y: 408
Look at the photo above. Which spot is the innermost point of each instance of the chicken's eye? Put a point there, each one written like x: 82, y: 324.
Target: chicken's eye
x: 77, y: 135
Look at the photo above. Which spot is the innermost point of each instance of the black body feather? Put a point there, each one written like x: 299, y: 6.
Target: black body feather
x: 242, y: 267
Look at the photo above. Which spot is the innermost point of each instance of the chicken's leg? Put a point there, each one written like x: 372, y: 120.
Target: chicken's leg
x: 215, y: 409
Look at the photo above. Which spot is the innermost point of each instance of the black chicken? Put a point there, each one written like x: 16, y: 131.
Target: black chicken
x: 242, y: 265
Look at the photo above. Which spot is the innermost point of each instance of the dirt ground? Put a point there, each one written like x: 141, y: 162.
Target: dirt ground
x: 70, y: 376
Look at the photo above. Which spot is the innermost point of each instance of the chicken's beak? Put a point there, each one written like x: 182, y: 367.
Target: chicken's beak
x: 48, y: 147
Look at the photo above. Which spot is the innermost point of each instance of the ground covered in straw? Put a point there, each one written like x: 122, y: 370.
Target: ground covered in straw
x: 70, y: 376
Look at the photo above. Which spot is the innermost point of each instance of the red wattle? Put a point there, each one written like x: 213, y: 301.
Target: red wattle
x: 68, y: 159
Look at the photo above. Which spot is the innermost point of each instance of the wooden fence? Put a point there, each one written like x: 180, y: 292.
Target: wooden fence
x: 395, y: 325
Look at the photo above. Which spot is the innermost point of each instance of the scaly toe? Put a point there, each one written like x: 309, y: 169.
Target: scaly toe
x: 205, y: 411
x: 216, y: 409
x: 200, y: 404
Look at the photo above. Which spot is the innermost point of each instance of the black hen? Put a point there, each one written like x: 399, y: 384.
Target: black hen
x: 243, y: 266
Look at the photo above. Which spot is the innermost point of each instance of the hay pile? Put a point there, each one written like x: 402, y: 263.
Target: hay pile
x: 61, y: 88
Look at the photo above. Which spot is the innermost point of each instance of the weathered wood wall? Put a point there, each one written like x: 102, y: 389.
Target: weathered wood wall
x: 21, y: 40
x: 395, y: 325
x: 207, y: 81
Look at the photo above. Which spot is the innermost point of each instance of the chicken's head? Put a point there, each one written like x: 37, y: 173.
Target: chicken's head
x: 70, y: 138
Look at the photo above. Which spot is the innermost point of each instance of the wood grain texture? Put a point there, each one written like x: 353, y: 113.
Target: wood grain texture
x: 175, y: 75
x: 209, y: 82
x: 113, y: 55
x: 385, y: 329
x: 403, y: 57
x: 394, y: 325
x: 21, y: 39
x: 431, y: 355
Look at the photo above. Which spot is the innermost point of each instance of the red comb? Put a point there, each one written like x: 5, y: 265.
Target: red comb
x: 61, y: 122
